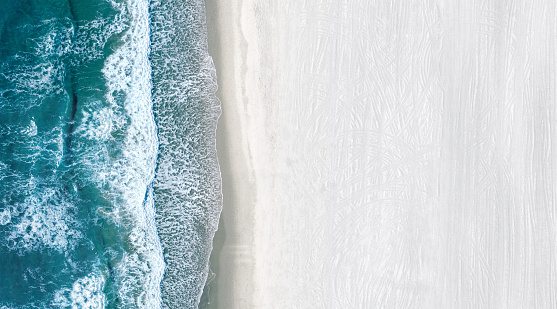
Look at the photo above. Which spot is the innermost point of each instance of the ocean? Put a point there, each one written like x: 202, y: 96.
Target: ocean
x: 110, y: 188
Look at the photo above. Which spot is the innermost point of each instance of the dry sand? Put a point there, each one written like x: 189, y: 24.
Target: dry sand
x: 386, y: 154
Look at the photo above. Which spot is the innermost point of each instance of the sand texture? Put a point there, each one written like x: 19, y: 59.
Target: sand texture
x: 386, y: 154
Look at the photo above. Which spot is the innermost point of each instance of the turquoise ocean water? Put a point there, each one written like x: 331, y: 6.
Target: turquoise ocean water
x: 109, y: 183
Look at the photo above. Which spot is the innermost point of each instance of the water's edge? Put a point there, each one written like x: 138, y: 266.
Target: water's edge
x: 187, y: 186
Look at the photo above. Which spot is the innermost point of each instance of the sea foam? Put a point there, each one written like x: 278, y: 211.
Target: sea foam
x: 187, y: 186
x: 85, y: 293
x: 119, y: 148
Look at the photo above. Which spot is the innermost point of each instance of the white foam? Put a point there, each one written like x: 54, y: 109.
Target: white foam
x: 58, y: 41
x: 86, y: 293
x: 98, y: 122
x: 48, y: 76
x: 188, y: 179
x: 54, y: 137
x: 123, y: 159
x: 5, y: 217
x: 4, y: 171
x: 94, y: 34
x: 46, y: 222
x: 37, y: 79
x: 30, y: 130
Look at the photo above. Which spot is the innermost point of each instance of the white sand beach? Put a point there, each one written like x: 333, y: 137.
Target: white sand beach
x: 386, y: 154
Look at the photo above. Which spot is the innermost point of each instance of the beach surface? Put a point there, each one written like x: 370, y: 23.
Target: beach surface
x: 385, y: 154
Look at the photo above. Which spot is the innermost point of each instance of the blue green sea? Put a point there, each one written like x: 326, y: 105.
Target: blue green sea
x: 109, y: 183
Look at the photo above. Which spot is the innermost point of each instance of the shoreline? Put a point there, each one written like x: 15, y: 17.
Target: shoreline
x: 232, y: 258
